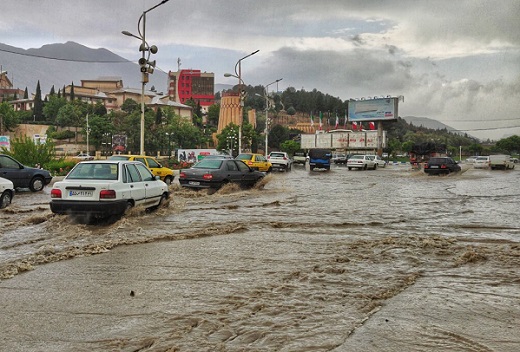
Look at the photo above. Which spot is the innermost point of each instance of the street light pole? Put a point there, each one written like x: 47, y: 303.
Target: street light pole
x: 267, y: 114
x: 146, y: 65
x: 241, y: 97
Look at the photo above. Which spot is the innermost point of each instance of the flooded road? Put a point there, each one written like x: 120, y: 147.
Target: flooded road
x: 383, y: 260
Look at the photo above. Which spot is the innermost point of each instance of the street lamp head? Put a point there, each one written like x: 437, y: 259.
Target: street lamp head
x: 230, y: 75
x: 130, y: 34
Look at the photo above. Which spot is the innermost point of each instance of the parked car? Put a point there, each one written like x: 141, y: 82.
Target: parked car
x: 256, y: 161
x: 23, y: 176
x: 215, y: 173
x: 379, y: 161
x: 84, y: 156
x: 482, y: 162
x: 300, y: 157
x: 471, y: 159
x: 157, y: 169
x: 280, y: 161
x: 339, y: 158
x: 361, y: 162
x: 441, y: 165
x: 105, y: 188
x: 6, y: 192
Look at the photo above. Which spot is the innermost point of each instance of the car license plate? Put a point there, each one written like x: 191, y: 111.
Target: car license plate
x: 434, y: 167
x: 81, y: 193
x: 194, y: 183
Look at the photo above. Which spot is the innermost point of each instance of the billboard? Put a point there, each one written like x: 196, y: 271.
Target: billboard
x: 5, y: 142
x: 373, y: 109
x: 344, y: 140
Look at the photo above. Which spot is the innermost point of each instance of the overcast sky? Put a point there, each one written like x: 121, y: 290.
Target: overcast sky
x: 456, y: 61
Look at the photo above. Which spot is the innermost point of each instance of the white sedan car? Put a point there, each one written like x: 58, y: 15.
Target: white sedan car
x: 379, y: 161
x: 6, y: 192
x: 84, y: 156
x: 361, y: 162
x: 107, y: 188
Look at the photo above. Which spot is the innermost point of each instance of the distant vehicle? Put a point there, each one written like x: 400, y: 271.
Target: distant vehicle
x: 23, y: 176
x: 300, y: 157
x: 515, y: 160
x: 215, y: 173
x: 157, y: 169
x: 255, y: 161
x: 482, y: 162
x: 280, y: 161
x: 320, y: 158
x: 471, y: 159
x: 378, y: 160
x: 339, y: 158
x: 441, y: 165
x: 6, y: 192
x: 501, y: 162
x: 84, y: 156
x: 218, y: 156
x: 361, y: 162
x: 105, y: 188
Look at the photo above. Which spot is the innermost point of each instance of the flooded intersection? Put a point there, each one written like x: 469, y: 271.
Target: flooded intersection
x: 379, y: 260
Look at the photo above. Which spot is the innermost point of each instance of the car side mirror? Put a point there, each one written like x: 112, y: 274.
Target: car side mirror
x: 157, y: 178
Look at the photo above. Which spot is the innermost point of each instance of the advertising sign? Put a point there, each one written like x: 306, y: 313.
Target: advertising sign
x: 5, y: 143
x: 194, y: 155
x: 372, y: 110
x: 343, y: 140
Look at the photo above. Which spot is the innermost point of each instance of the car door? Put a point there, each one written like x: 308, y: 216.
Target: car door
x: 233, y: 173
x: 137, y: 189
x: 154, y: 166
x: 12, y: 170
x: 261, y: 162
x: 152, y: 187
x: 247, y: 175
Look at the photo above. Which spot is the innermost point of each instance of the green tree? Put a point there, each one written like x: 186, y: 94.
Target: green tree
x: 290, y: 147
x: 213, y: 114
x: 52, y: 107
x: 510, y: 144
x: 8, y: 118
x: 38, y: 104
x: 28, y: 153
x: 228, y: 138
x: 130, y: 105
x: 278, y: 135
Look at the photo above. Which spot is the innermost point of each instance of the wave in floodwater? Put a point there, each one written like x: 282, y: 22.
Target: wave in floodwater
x: 382, y: 202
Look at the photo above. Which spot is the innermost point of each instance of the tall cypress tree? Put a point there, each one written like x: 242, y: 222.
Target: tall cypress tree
x: 26, y: 94
x: 38, y: 104
x: 72, y: 92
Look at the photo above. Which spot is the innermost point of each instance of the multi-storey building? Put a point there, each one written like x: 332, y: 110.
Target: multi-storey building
x: 192, y: 84
x: 7, y: 92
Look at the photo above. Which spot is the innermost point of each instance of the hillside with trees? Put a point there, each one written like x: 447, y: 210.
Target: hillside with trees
x: 166, y: 131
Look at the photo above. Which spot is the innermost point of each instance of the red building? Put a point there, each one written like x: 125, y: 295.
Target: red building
x: 189, y: 84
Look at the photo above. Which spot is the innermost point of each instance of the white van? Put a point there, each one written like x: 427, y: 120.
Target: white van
x: 501, y: 162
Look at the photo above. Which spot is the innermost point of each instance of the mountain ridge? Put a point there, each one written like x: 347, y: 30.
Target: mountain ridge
x: 60, y: 64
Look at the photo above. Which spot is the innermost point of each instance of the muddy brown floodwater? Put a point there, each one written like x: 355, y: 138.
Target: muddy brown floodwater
x: 384, y: 260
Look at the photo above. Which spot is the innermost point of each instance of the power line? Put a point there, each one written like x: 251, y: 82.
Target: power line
x: 62, y: 59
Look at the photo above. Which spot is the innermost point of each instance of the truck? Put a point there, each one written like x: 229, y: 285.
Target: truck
x: 320, y: 158
x: 501, y: 162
